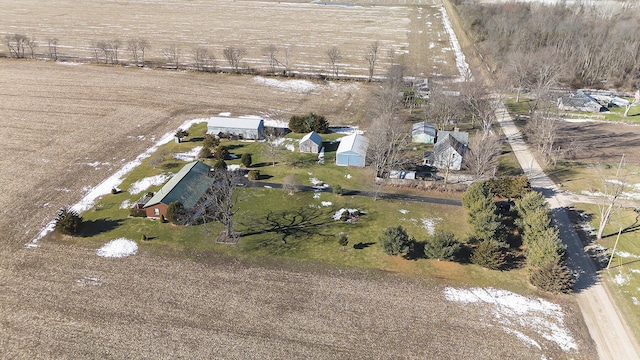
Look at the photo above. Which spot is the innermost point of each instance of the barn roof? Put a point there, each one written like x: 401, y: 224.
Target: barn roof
x: 423, y: 128
x: 447, y: 142
x: 187, y: 186
x: 234, y: 122
x: 313, y: 136
x: 461, y: 136
x: 354, y: 142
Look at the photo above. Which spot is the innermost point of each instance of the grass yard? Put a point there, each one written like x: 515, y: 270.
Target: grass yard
x: 623, y: 277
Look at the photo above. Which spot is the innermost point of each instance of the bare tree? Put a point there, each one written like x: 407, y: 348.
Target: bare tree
x: 273, y: 148
x: 518, y: 72
x: 31, y: 44
x: 234, y: 57
x: 388, y: 99
x: 628, y: 106
x: 53, y: 48
x: 201, y: 57
x: 173, y: 53
x: 372, y: 56
x: 542, y: 129
x: 105, y: 47
x: 481, y: 158
x: 271, y: 52
x: 612, y: 189
x: 291, y: 183
x: 96, y: 50
x: 334, y: 55
x: 143, y: 44
x: 115, y: 45
x: 442, y: 108
x: 132, y: 45
x: 219, y: 204
x: 16, y: 44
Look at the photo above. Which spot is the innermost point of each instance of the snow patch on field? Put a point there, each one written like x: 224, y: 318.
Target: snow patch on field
x: 125, y: 204
x: 461, y: 61
x: 316, y: 195
x: 118, y: 248
x: 188, y: 156
x: 511, y: 309
x: 403, y: 211
x: 621, y: 279
x: 289, y: 85
x: 625, y: 254
x: 233, y: 167
x: 326, y: 203
x: 143, y: 184
x: 339, y: 213
x: 430, y: 225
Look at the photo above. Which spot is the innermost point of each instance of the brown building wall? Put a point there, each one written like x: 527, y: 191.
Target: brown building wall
x: 151, y: 211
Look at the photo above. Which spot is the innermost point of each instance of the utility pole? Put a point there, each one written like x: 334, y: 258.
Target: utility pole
x: 614, y: 247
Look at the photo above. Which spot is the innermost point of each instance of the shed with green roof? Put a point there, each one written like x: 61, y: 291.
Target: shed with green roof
x: 188, y: 186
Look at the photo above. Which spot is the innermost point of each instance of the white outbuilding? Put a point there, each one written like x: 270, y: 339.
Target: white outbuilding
x: 352, y: 151
x: 310, y: 143
x: 246, y: 128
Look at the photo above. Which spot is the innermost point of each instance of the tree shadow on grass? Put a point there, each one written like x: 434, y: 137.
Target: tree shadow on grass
x: 290, y: 226
x: 171, y: 165
x: 362, y: 245
x: 263, y: 164
x: 95, y: 227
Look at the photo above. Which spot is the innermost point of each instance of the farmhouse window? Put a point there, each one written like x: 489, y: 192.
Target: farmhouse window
x: 156, y: 211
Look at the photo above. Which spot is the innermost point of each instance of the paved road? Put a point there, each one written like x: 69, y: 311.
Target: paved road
x: 607, y: 327
x: 347, y: 192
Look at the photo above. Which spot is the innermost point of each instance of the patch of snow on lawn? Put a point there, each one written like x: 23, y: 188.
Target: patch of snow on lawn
x: 227, y: 114
x: 188, y: 156
x: 125, y: 204
x: 97, y: 164
x: 118, y: 248
x: 290, y: 147
x: 461, y: 61
x: 143, y: 184
x: 290, y: 85
x: 430, y: 225
x: 346, y: 130
x: 113, y: 181
x: 233, y: 167
x: 625, y: 254
x: 268, y: 187
x: 622, y: 279
x: 326, y: 203
x: 635, y: 301
x: 339, y: 213
x: 509, y: 309
x: 348, y: 176
x: 403, y: 211
x: 316, y: 195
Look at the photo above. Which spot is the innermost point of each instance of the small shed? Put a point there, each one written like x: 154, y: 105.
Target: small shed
x: 247, y: 128
x: 352, y: 151
x: 448, y: 152
x: 310, y: 143
x: 188, y: 186
x: 423, y: 133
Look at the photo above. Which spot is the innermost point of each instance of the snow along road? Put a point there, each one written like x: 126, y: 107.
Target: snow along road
x: 608, y: 329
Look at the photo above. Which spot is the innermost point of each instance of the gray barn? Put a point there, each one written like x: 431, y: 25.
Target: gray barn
x: 247, y: 128
x: 310, y: 143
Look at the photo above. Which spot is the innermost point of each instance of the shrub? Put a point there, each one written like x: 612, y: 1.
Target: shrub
x: 343, y: 240
x: 115, y: 191
x: 221, y: 152
x: 246, y: 159
x: 510, y: 186
x: 489, y: 255
x: 204, y: 153
x: 253, y: 175
x: 395, y: 241
x: 553, y: 277
x: 443, y: 246
x: 68, y: 222
x: 309, y: 122
x: 137, y: 213
x: 210, y: 141
x: 337, y: 190
x: 180, y: 134
x: 175, y: 212
x: 162, y: 219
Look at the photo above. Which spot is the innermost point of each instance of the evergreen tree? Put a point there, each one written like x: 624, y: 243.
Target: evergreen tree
x: 553, y: 277
x: 204, y: 153
x: 529, y: 202
x: 220, y: 164
x: 246, y: 160
x: 443, y: 246
x: 176, y: 212
x: 221, y: 152
x: 546, y: 249
x: 488, y: 254
x: 210, y: 141
x: 396, y: 241
x: 482, y: 216
x: 343, y: 240
x: 68, y: 222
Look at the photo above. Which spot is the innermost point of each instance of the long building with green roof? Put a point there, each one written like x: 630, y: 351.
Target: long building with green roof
x: 188, y: 186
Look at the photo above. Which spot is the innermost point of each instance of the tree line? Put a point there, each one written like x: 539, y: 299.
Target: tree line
x: 198, y: 58
x: 579, y: 46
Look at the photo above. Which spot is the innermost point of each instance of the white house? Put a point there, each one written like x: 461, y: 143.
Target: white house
x: 448, y: 152
x: 310, y: 143
x: 247, y: 128
x: 352, y: 151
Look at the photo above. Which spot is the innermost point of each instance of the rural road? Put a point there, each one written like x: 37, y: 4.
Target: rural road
x: 608, y: 329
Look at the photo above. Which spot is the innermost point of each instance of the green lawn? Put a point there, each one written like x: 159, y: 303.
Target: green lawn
x: 293, y: 228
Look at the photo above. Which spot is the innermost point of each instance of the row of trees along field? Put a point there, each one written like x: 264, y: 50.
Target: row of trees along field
x: 199, y: 58
x: 579, y: 46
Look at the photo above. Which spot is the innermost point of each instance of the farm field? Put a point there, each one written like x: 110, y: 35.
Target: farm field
x: 413, y: 30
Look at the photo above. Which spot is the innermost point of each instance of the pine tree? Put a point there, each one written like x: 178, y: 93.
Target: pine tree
x: 553, y: 277
x: 443, y: 246
x: 395, y: 241
x: 68, y: 222
x: 482, y: 216
x: 488, y: 254
x: 246, y: 159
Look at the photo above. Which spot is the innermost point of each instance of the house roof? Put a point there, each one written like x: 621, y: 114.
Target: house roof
x: 235, y: 122
x: 448, y: 142
x: 581, y: 101
x: 313, y: 136
x: 461, y: 136
x: 354, y: 142
x: 187, y: 186
x: 423, y: 128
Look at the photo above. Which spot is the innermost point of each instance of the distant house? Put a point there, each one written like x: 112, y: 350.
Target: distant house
x: 423, y: 133
x: 579, y: 101
x: 188, y: 186
x: 310, y: 143
x: 448, y: 152
x: 247, y: 128
x: 352, y: 151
